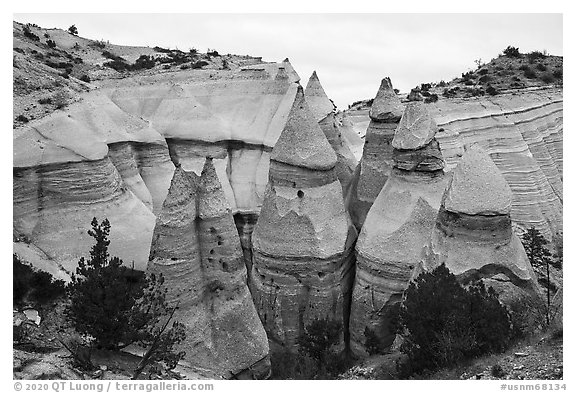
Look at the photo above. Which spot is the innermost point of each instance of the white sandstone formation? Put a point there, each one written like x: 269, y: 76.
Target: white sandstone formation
x: 397, y: 227
x: 374, y: 167
x: 473, y: 233
x: 324, y: 111
x: 302, y: 242
x: 197, y: 250
x: 65, y: 173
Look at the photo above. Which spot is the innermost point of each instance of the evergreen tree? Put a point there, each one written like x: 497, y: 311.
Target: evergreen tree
x: 73, y: 30
x: 539, y: 256
x: 445, y: 323
x: 117, y: 306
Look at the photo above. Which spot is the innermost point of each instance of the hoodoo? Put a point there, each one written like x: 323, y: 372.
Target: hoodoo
x: 323, y: 110
x: 473, y: 232
x: 374, y: 168
x: 396, y: 228
x: 197, y: 249
x: 302, y: 266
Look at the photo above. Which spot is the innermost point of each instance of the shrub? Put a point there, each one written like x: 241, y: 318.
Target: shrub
x: 491, y: 90
x: 212, y: 53
x: 372, y: 343
x: 529, y: 73
x: 143, y: 62
x: 319, y: 336
x: 484, y: 79
x: 38, y: 286
x: 536, y: 55
x: 558, y: 73
x: 541, y: 67
x: 112, y: 56
x: 511, y: 51
x: 497, y: 371
x: 289, y: 365
x: 85, y: 78
x: 117, y: 306
x: 483, y: 71
x: 431, y: 98
x: 468, y: 76
x: 161, y: 50
x: 449, y: 93
x: 118, y: 65
x: 61, y: 99
x: 199, y: 64
x: 547, y: 78
x: 446, y: 323
x: 28, y: 34
x: 45, y: 100
x: 22, y: 118
x: 73, y: 30
x: 51, y: 44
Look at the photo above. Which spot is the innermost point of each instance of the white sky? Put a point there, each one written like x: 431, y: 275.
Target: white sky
x: 350, y: 52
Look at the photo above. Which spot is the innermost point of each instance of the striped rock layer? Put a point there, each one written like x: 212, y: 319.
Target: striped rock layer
x: 91, y: 160
x: 397, y: 226
x: 374, y: 167
x: 197, y: 250
x: 302, y: 243
x: 523, y: 135
x: 112, y: 154
x: 523, y: 132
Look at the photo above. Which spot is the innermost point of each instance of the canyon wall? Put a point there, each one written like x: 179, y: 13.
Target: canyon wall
x: 522, y: 132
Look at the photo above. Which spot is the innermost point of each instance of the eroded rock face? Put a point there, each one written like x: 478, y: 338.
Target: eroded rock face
x: 85, y: 162
x: 197, y: 249
x: 324, y: 111
x: 397, y: 227
x: 302, y: 262
x: 473, y: 232
x: 523, y: 135
x: 113, y: 154
x: 376, y: 163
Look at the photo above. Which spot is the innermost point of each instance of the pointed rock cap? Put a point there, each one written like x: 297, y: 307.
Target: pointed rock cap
x: 386, y: 106
x: 302, y: 142
x: 182, y: 194
x: 319, y: 103
x: 477, y: 186
x: 416, y: 128
x: 286, y: 60
x: 212, y: 201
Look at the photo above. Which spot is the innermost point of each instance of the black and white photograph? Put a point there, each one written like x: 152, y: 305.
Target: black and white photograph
x: 203, y: 197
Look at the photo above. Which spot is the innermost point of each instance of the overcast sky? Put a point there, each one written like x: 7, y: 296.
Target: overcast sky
x: 350, y: 52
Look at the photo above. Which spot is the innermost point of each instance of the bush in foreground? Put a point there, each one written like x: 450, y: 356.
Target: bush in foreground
x: 445, y: 323
x: 116, y: 306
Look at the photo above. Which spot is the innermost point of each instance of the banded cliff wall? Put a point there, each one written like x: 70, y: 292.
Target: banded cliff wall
x: 522, y: 133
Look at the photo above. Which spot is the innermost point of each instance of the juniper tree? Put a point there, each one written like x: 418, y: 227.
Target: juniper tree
x: 539, y: 256
x: 444, y: 322
x: 117, y: 306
